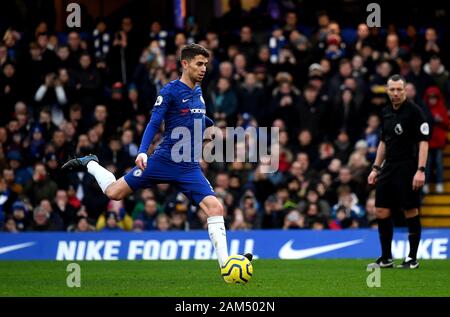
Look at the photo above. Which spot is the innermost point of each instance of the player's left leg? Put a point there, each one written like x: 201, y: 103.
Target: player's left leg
x: 195, y: 185
x: 414, y: 230
x: 198, y: 189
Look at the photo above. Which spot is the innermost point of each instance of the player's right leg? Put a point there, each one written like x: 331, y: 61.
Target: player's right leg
x: 114, y: 189
x: 384, y: 200
x: 118, y: 190
x: 385, y: 233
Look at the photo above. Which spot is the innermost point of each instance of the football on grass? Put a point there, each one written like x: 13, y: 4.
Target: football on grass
x: 237, y: 270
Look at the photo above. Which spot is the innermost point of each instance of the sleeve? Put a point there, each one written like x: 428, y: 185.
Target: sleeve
x: 158, y: 113
x: 208, y: 121
x: 422, y: 128
x: 40, y: 93
x: 61, y: 95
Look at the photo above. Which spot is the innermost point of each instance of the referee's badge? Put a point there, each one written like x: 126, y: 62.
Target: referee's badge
x: 137, y: 173
x: 424, y: 128
x: 398, y: 129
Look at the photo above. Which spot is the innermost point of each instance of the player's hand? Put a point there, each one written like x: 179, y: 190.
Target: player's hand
x: 372, y: 179
x: 141, y: 161
x: 418, y: 180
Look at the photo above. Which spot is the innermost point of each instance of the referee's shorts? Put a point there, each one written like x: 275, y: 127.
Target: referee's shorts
x: 394, y: 187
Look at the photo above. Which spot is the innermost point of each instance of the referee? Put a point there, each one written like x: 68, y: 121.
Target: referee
x: 399, y: 170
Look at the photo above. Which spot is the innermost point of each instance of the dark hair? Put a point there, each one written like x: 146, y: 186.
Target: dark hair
x: 85, y: 53
x: 397, y: 77
x: 291, y: 12
x: 34, y: 46
x: 310, y: 87
x: 415, y: 55
x: 190, y: 51
x: 75, y: 107
x: 344, y: 189
x: 344, y: 61
x: 114, y: 137
x: 435, y: 56
x: 45, y: 109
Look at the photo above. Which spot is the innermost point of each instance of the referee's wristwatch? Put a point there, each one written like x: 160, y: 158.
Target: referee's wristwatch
x: 421, y: 169
x: 376, y: 168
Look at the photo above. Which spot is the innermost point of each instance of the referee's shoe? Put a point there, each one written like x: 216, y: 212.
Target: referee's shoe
x: 382, y: 263
x: 408, y: 263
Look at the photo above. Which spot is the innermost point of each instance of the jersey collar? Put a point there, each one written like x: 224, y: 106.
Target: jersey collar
x: 401, y: 106
x: 187, y: 87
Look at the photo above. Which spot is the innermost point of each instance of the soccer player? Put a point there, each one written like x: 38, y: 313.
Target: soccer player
x: 403, y: 149
x: 179, y: 104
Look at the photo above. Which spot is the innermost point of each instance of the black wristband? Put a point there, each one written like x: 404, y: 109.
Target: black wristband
x: 421, y: 168
x: 376, y: 167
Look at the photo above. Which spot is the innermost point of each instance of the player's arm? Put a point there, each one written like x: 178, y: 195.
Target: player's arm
x: 423, y: 135
x: 208, y: 122
x: 379, y: 158
x: 208, y: 132
x: 419, y: 178
x: 158, y: 113
x: 372, y: 179
x: 423, y: 153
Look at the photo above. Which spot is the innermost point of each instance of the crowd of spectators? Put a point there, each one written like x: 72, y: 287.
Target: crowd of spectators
x: 71, y: 94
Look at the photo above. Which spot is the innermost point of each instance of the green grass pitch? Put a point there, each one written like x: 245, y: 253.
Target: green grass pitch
x: 279, y: 278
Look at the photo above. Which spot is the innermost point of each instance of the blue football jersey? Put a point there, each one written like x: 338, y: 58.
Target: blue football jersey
x: 183, y: 110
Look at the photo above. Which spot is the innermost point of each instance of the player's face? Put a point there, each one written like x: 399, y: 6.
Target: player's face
x: 396, y: 91
x: 196, y: 68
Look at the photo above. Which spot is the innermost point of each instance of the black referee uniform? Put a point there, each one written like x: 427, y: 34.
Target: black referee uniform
x: 401, y: 131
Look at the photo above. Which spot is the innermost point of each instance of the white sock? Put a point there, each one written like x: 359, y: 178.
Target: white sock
x: 102, y: 175
x: 218, y: 236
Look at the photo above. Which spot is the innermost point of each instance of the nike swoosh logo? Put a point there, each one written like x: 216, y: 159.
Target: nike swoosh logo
x: 16, y: 247
x: 184, y: 100
x: 286, y: 251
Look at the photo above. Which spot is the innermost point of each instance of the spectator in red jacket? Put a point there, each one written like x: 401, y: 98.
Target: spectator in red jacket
x: 435, y: 101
